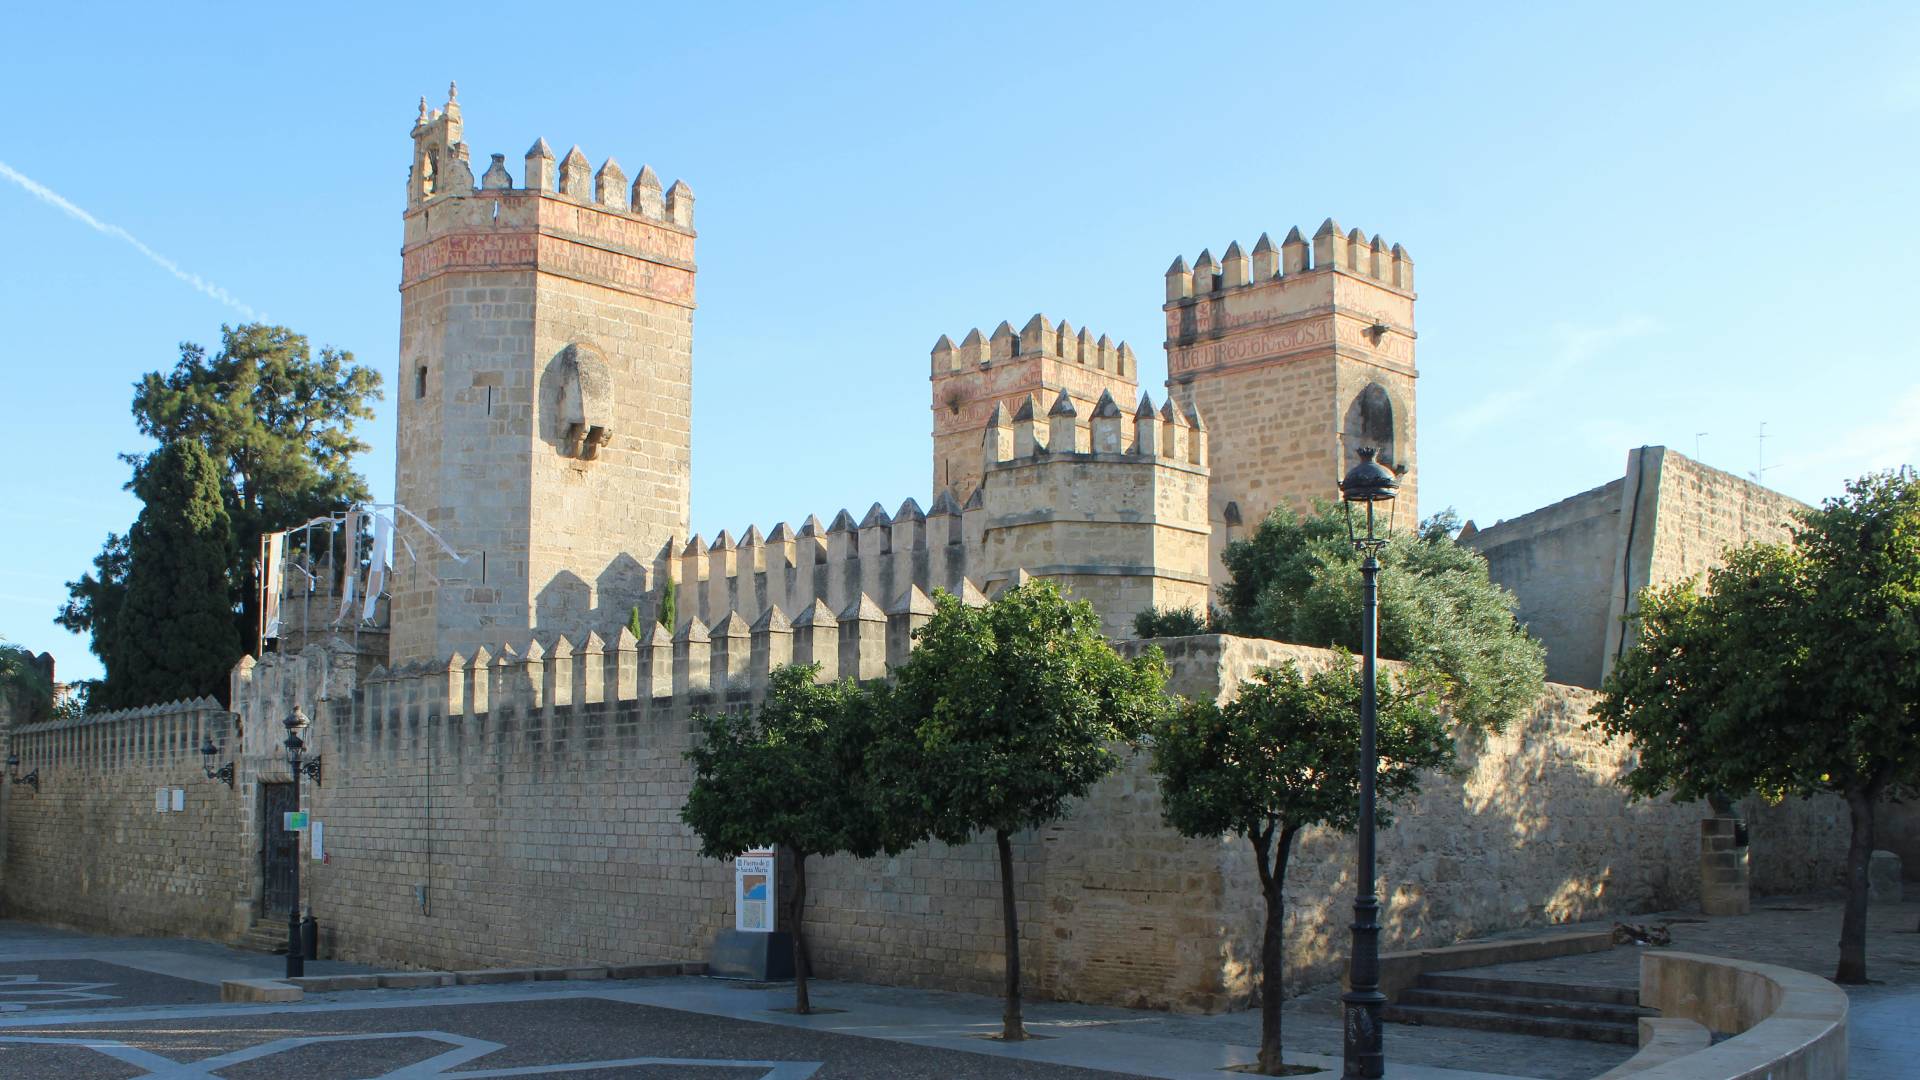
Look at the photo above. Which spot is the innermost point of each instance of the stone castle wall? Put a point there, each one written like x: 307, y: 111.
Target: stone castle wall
x: 526, y: 809
x: 1577, y: 567
x: 88, y: 849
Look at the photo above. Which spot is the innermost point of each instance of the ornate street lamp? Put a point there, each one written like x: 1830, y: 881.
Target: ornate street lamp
x: 224, y: 773
x: 296, y: 722
x: 1367, y: 492
x: 32, y: 779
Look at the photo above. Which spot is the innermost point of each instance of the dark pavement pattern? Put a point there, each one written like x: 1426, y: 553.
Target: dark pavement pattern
x: 70, y: 984
x: 578, y: 1037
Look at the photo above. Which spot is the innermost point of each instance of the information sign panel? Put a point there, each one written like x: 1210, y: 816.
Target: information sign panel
x: 753, y: 892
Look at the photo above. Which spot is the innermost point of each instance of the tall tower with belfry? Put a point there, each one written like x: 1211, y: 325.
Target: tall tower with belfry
x: 1294, y: 356
x: 545, y: 392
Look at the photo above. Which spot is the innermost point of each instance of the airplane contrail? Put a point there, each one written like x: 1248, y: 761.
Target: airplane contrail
x: 202, y: 285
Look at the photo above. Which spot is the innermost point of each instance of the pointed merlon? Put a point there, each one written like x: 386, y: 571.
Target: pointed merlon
x: 1106, y: 407
x: 772, y: 621
x: 535, y: 652
x: 943, y: 347
x: 1233, y: 251
x: 1179, y: 265
x: 970, y: 594
x: 540, y: 149
x: 1195, y: 420
x: 695, y: 546
x: 733, y: 626
x: 945, y: 502
x: 1063, y: 406
x: 999, y: 417
x: 723, y: 542
x: 976, y: 501
x: 911, y: 602
x: 1025, y: 411
x: 693, y: 630
x: 1328, y: 227
x: 862, y: 609
x: 562, y: 648
x: 1264, y: 244
x: 751, y: 536
x: 1294, y: 237
x: 812, y: 526
x: 780, y: 534
x: 909, y: 511
x: 973, y: 338
x: 816, y: 614
x: 876, y: 518
x: 680, y: 204
x: 1204, y: 261
x: 1171, y: 415
x: 1145, y: 411
x: 842, y: 522
x: 577, y: 158
x: 647, y: 178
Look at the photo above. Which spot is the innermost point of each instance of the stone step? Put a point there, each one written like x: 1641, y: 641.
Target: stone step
x: 1526, y: 1006
x: 1552, y: 1027
x: 1529, y: 988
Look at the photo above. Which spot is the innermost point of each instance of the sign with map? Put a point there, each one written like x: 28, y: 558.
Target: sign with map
x: 753, y: 891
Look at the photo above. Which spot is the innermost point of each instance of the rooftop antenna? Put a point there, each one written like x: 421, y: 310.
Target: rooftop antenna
x: 1697, y: 436
x: 1760, y: 466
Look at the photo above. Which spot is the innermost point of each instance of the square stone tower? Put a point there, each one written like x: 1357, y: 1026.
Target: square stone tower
x: 545, y: 390
x: 1043, y: 360
x: 1293, y: 358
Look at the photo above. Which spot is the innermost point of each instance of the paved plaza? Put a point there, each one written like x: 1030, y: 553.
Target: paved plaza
x: 94, y: 1007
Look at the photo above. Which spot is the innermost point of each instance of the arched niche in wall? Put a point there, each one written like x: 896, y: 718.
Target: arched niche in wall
x: 1370, y: 421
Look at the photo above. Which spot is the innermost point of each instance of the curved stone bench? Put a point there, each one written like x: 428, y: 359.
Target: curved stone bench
x: 1786, y: 1024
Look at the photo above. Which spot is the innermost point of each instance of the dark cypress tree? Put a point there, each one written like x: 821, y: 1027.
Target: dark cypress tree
x: 175, y: 629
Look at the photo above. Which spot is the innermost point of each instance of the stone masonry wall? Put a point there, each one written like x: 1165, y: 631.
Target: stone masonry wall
x: 525, y: 809
x: 88, y: 849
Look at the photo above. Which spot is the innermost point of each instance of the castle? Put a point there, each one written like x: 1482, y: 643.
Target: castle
x: 546, y: 359
x: 504, y: 768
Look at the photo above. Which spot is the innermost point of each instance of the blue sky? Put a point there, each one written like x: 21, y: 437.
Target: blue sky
x: 1632, y: 223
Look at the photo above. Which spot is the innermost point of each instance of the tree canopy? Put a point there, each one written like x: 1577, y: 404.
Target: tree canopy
x: 1281, y: 757
x: 24, y: 688
x: 1794, y: 671
x: 1298, y: 579
x: 174, y: 633
x: 1002, y: 716
x: 793, y: 773
x: 277, y: 423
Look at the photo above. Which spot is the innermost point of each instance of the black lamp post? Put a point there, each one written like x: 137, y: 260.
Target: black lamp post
x: 1368, y: 489
x: 32, y: 779
x: 224, y: 773
x: 296, y: 722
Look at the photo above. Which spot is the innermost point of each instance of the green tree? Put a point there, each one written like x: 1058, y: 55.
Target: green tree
x: 1283, y: 756
x: 1004, y: 714
x: 95, y: 599
x: 277, y: 420
x: 1169, y: 622
x: 25, y: 690
x: 1298, y: 579
x: 792, y: 773
x: 175, y: 634
x: 1795, y: 671
x: 667, y: 612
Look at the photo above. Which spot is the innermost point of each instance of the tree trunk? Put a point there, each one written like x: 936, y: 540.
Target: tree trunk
x: 1853, y: 926
x: 1273, y: 946
x: 800, y: 1003
x: 1011, y: 1029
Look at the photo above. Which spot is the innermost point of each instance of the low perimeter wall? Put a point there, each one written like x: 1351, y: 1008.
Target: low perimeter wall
x: 1787, y: 1024
x: 537, y: 825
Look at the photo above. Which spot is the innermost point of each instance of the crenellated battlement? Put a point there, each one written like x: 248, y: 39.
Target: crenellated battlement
x: 1351, y: 253
x: 1040, y: 337
x: 441, y: 170
x: 989, y: 371
x: 154, y: 736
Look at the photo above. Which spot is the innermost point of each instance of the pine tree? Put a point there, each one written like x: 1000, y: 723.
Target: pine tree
x: 175, y: 629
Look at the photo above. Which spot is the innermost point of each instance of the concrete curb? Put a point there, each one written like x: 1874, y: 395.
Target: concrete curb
x: 418, y: 980
x: 257, y: 990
